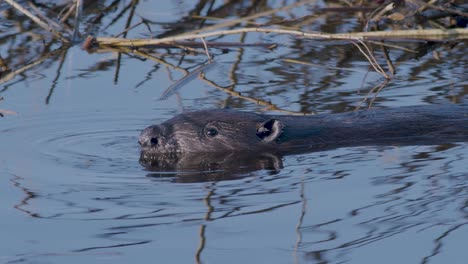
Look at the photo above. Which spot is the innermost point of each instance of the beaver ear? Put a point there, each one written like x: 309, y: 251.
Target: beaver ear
x: 270, y: 130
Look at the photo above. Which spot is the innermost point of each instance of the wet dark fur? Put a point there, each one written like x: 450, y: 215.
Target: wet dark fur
x: 222, y: 130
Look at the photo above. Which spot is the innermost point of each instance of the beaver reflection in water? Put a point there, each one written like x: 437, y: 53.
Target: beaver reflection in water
x: 223, y: 130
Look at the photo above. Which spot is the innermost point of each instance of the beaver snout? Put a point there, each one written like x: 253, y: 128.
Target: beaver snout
x: 149, y: 137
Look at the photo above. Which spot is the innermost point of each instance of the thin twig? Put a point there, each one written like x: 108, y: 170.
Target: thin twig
x: 184, y: 80
x: 374, y: 60
x: 371, y: 60
x: 206, y: 49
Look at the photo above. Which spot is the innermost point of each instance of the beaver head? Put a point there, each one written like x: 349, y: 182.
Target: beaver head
x: 204, y: 131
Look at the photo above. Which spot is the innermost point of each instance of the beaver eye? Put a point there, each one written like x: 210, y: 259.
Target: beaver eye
x: 211, y: 132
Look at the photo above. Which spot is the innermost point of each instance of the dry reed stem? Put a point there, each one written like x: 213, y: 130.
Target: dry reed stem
x: 37, y: 20
x: 422, y: 34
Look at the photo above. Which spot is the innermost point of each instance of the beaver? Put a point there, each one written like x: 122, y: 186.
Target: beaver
x: 227, y: 131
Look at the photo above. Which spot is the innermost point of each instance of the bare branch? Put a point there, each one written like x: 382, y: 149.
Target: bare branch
x: 422, y: 34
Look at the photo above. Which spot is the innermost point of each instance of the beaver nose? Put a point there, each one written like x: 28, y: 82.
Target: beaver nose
x: 149, y: 137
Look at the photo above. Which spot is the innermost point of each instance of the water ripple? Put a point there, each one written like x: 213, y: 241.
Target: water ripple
x: 105, y: 143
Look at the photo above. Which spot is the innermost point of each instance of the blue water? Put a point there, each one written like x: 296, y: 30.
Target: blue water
x: 73, y: 191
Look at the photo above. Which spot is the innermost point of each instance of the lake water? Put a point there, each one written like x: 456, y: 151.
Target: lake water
x: 73, y: 191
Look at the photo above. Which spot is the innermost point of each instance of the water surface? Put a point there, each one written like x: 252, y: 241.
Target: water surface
x: 73, y: 190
